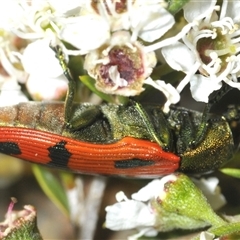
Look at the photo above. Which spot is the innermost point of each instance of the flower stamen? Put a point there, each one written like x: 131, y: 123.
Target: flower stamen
x: 226, y: 24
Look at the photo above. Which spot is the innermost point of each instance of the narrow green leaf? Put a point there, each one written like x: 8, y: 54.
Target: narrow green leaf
x: 176, y: 5
x: 234, y: 172
x: 51, y: 187
x: 90, y: 83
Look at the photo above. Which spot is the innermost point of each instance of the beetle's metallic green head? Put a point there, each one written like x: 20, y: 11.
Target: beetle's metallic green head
x: 215, y: 150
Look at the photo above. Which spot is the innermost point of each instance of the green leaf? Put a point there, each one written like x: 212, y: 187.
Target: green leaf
x: 176, y: 5
x: 90, y: 83
x: 52, y: 187
x: 234, y: 172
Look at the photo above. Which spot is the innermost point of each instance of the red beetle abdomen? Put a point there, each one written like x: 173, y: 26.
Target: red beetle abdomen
x: 128, y: 156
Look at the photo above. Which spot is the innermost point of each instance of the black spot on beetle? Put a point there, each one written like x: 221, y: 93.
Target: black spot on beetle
x: 133, y: 163
x: 59, y: 155
x: 10, y: 148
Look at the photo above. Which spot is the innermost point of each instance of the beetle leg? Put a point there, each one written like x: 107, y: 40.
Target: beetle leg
x: 232, y: 116
x: 202, y: 129
x: 74, y: 117
x: 149, y: 125
x: 185, y: 130
x: 83, y: 118
x: 71, y: 83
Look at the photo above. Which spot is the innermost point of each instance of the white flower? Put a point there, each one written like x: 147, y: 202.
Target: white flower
x: 10, y: 13
x: 137, y: 213
x: 121, y: 67
x: 154, y: 189
x: 47, y: 88
x: 211, y: 47
x: 98, y: 21
x: 10, y: 70
x: 32, y: 19
x: 167, y: 89
x: 163, y: 205
x: 9, y: 55
x: 108, y: 32
x: 86, y: 33
x: 149, y: 21
x: 66, y: 8
x: 10, y: 92
x: 212, y: 191
x: 207, y: 236
x: 130, y: 214
x: 39, y: 59
x: 46, y: 80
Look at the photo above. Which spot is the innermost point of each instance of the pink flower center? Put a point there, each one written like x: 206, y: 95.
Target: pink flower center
x: 129, y: 65
x: 120, y: 6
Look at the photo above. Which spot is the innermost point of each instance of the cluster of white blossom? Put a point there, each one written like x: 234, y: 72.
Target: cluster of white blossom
x: 210, y: 48
x: 121, y: 42
x: 25, y: 55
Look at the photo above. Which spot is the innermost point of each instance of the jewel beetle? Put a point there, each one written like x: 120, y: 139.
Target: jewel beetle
x: 125, y: 140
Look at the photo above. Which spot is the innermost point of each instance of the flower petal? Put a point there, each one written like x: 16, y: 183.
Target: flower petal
x: 233, y: 10
x: 34, y: 59
x: 193, y: 9
x: 207, y: 236
x: 153, y: 189
x: 47, y: 88
x: 201, y: 87
x: 211, y: 190
x: 66, y: 7
x: 149, y: 191
x: 174, y: 53
x: 151, y: 21
x: 167, y: 89
x: 128, y: 214
x: 86, y: 32
x: 11, y: 93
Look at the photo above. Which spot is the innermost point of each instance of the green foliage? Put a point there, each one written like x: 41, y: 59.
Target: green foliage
x: 233, y: 172
x: 176, y: 5
x: 52, y: 187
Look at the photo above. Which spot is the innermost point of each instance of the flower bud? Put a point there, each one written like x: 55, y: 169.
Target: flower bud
x: 20, y: 224
x: 184, y: 198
